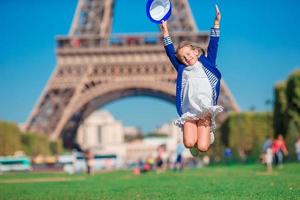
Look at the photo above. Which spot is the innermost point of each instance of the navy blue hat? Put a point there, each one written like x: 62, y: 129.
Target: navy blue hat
x: 158, y: 10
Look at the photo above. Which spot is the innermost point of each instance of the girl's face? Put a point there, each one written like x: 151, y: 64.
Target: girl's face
x: 187, y: 55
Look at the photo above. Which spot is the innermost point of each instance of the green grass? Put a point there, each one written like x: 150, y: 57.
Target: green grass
x: 220, y: 182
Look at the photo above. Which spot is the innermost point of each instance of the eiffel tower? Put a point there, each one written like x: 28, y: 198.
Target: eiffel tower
x: 95, y: 67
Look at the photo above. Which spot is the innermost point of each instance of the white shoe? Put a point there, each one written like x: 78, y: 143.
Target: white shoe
x: 194, y: 151
x: 212, y: 137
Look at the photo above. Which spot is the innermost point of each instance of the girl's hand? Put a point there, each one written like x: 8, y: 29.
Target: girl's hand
x: 164, y: 28
x: 217, y: 18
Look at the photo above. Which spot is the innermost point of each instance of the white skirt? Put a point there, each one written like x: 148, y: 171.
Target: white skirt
x: 211, y: 111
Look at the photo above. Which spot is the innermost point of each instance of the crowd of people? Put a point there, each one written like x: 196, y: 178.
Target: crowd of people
x: 161, y: 162
x: 274, y: 151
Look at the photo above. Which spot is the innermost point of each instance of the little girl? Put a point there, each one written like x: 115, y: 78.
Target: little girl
x: 197, y: 88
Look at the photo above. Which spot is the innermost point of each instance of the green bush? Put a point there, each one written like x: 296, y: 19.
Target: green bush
x: 245, y: 133
x: 9, y: 138
x: 12, y: 140
x: 216, y: 152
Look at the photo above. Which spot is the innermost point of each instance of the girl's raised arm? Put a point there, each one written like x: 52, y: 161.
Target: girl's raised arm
x: 168, y: 44
x: 164, y: 29
x: 217, y: 18
x: 214, y: 39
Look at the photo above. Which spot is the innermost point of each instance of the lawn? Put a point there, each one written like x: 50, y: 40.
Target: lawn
x: 219, y: 182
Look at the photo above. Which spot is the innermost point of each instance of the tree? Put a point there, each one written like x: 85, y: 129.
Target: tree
x: 293, y: 102
x: 280, y: 109
x: 56, y: 147
x: 34, y: 144
x: 293, y: 110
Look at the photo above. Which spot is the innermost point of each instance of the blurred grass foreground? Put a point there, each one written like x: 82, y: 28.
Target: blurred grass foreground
x: 217, y: 182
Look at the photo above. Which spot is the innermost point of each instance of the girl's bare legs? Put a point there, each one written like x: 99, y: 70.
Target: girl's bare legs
x: 190, y: 134
x: 203, y: 132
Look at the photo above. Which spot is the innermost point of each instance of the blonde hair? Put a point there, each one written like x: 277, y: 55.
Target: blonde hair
x: 190, y: 44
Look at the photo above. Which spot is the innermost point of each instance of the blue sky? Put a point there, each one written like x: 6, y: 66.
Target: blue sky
x: 259, y: 46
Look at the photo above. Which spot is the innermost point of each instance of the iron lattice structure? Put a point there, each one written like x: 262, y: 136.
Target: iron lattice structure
x: 95, y: 67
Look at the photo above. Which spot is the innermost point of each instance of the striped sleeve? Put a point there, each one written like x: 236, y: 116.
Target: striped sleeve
x: 167, y: 40
x: 215, y: 32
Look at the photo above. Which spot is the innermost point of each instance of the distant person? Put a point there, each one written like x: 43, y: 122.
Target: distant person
x: 266, y: 145
x: 197, y: 87
x: 279, y: 149
x: 297, y: 148
x: 140, y: 163
x: 161, y: 159
x: 178, y: 165
x: 228, y: 155
x: 90, y: 162
x: 269, y: 159
x: 142, y: 167
x: 206, y: 160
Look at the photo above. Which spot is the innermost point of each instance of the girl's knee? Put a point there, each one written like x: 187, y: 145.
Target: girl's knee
x: 203, y: 147
x: 189, y: 144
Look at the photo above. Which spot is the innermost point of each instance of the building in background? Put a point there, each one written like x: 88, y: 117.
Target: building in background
x: 104, y: 135
x: 173, y: 134
x: 100, y: 129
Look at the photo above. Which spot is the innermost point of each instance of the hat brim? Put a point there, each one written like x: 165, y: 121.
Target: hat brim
x: 163, y: 16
